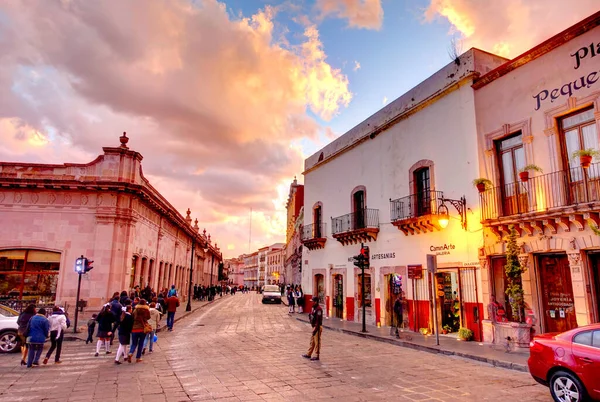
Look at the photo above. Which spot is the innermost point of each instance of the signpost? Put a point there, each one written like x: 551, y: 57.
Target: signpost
x: 431, y: 270
x: 82, y: 266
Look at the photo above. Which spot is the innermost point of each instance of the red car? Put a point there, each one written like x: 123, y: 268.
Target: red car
x: 568, y: 363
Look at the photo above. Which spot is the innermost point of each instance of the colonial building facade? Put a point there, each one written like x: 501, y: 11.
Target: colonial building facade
x: 385, y: 183
x: 543, y: 109
x: 251, y: 269
x: 295, y: 221
x: 105, y: 210
x: 275, y: 258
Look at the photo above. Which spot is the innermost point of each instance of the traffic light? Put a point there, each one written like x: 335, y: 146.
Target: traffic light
x: 88, y: 265
x: 80, y: 265
x: 364, y: 252
x: 359, y: 260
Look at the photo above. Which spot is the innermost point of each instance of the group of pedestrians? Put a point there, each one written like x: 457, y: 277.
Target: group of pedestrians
x: 136, y: 319
x: 34, y: 328
x: 295, y: 297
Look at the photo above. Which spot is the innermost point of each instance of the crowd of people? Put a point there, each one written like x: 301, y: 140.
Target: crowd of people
x: 295, y: 297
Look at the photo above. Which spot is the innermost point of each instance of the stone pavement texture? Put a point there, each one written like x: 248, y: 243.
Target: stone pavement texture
x: 238, y: 349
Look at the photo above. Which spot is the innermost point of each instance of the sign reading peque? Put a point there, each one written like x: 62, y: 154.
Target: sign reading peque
x: 568, y: 89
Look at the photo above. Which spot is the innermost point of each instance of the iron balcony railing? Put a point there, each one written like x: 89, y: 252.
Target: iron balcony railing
x: 361, y: 219
x: 314, y: 231
x: 542, y: 193
x: 415, y: 205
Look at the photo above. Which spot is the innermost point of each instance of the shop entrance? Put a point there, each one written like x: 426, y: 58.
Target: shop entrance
x: 447, y: 285
x: 320, y: 287
x: 392, y: 289
x: 557, y: 293
x: 595, y: 279
x: 338, y: 296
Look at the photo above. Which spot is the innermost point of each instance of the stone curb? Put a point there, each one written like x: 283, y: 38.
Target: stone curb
x: 429, y: 349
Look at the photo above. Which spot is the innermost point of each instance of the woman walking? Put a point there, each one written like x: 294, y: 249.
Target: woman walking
x: 291, y: 300
x: 105, y: 320
x: 153, y: 321
x: 22, y: 322
x: 58, y: 326
x: 300, y: 299
x: 141, y: 315
x: 39, y: 329
x: 125, y: 328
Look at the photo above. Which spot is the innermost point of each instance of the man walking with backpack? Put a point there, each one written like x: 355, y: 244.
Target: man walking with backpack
x: 172, y: 304
x: 316, y: 321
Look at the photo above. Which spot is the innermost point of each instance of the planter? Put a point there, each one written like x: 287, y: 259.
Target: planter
x: 585, y: 161
x: 519, y: 334
x: 524, y: 176
x: 480, y: 187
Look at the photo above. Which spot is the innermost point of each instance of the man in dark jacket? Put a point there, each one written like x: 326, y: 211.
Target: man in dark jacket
x: 172, y: 304
x: 316, y: 321
x: 115, y: 308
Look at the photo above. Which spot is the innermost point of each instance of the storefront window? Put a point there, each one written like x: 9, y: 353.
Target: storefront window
x: 29, y: 275
x: 367, y: 290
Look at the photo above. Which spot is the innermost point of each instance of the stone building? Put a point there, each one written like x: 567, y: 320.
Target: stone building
x: 105, y: 210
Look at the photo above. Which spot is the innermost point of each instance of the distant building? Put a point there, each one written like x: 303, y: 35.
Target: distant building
x: 251, y: 269
x: 293, y: 246
x: 275, y: 258
x: 235, y: 270
x: 105, y: 210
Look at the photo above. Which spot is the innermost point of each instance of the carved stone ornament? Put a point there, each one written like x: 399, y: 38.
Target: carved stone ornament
x: 51, y: 198
x: 84, y: 199
x: 523, y: 260
x: 483, y: 263
x: 574, y: 259
x: 68, y: 199
x: 18, y: 197
x: 99, y: 200
x: 2, y: 197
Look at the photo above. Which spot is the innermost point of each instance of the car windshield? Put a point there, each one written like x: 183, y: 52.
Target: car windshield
x: 7, y: 312
x: 271, y: 288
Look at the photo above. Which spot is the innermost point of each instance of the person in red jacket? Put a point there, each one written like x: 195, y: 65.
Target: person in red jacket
x: 172, y: 303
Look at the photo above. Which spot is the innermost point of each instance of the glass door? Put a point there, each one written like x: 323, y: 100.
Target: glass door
x: 423, y: 192
x: 511, y: 158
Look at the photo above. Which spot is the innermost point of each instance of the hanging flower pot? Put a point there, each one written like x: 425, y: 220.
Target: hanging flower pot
x: 480, y: 187
x: 482, y: 184
x: 524, y: 176
x: 585, y: 160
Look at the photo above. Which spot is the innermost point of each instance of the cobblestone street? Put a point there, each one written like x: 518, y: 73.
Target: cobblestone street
x: 240, y: 350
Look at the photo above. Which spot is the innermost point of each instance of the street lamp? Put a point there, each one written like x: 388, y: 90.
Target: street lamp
x: 189, y: 301
x: 461, y: 208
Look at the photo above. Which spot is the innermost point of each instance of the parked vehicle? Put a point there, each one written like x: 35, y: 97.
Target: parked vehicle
x: 568, y: 363
x: 271, y: 293
x: 9, y: 340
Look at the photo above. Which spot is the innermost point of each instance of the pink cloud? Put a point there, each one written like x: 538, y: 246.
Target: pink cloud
x: 366, y: 14
x: 509, y: 28
x: 212, y: 102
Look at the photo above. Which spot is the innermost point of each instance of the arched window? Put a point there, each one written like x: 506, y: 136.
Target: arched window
x: 359, y: 206
x: 318, y: 221
x: 30, y: 274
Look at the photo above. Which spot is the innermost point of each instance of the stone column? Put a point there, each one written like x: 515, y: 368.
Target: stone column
x: 579, y: 296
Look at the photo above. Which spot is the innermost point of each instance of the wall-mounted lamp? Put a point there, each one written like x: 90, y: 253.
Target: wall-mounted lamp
x: 444, y: 216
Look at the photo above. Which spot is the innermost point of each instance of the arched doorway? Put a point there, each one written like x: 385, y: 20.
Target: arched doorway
x: 29, y: 275
x: 338, y: 296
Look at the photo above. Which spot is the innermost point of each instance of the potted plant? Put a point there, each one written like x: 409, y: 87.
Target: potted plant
x: 465, y: 334
x: 585, y: 156
x: 446, y: 328
x: 482, y: 184
x: 524, y: 173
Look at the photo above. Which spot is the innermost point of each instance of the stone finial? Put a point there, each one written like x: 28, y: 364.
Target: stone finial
x: 209, y: 238
x: 188, y: 218
x: 204, y: 232
x: 124, y: 140
x: 196, y: 225
x: 295, y: 181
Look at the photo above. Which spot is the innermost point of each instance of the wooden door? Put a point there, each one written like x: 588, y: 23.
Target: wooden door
x: 557, y: 293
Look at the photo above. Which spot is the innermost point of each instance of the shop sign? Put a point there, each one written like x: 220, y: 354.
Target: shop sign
x: 383, y: 256
x: 443, y: 249
x: 570, y: 88
x: 415, y: 271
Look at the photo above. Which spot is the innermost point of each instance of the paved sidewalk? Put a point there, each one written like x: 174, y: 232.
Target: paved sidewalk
x: 449, y: 345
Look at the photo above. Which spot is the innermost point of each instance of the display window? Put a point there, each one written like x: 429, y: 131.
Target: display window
x: 367, y: 279
x: 29, y: 275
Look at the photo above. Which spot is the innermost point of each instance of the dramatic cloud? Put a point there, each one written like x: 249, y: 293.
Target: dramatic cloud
x: 510, y: 27
x: 366, y: 14
x: 213, y: 103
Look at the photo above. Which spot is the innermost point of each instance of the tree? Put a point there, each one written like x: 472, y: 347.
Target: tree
x: 221, y: 271
x: 514, y: 270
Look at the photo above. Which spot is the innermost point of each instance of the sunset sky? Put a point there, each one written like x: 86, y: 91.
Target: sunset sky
x: 225, y: 99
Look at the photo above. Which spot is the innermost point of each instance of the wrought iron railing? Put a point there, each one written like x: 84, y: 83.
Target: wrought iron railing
x: 414, y: 205
x: 542, y: 193
x: 314, y: 231
x: 361, y: 219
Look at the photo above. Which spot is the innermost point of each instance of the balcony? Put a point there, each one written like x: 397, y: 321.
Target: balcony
x: 416, y: 213
x: 313, y: 236
x: 564, y: 199
x: 356, y: 227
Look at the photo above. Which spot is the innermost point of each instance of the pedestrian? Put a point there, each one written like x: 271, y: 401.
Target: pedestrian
x: 125, y: 327
x: 37, y: 332
x: 124, y: 296
x: 22, y: 322
x: 398, y: 312
x: 291, y: 301
x: 161, y: 302
x: 300, y: 300
x: 105, y: 321
x: 141, y: 315
x: 91, y: 325
x: 58, y: 326
x: 172, y: 291
x: 147, y: 293
x: 172, y: 304
x: 116, y: 309
x: 154, y: 320
x: 316, y: 321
